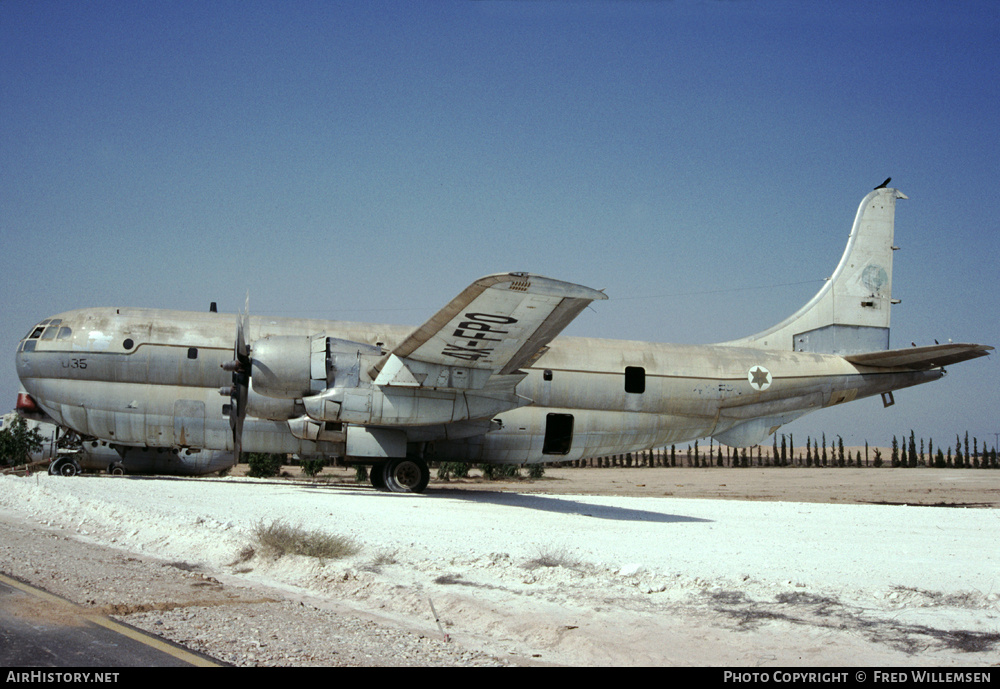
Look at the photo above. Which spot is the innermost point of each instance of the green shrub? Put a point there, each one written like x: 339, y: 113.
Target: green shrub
x: 536, y: 470
x: 311, y: 467
x: 17, y: 442
x: 263, y: 465
x: 450, y: 470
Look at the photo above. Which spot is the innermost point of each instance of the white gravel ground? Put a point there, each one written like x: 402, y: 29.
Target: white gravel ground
x: 579, y: 579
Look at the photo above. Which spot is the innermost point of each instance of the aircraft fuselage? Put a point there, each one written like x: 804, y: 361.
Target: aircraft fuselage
x: 151, y: 378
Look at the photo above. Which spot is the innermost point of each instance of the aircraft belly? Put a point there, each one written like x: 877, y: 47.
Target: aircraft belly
x: 595, y: 433
x: 262, y: 435
x: 159, y: 416
x: 189, y: 423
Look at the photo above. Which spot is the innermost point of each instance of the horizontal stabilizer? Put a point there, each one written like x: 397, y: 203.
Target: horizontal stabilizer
x: 921, y: 358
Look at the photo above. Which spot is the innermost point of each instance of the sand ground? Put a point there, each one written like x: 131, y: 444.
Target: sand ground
x: 617, y: 566
x: 884, y: 486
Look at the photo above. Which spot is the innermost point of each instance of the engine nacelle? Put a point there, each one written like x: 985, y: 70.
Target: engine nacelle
x: 283, y: 366
x: 272, y: 408
x: 399, y: 406
x: 296, y: 366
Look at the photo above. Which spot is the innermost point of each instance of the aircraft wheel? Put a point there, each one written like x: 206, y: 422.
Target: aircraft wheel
x: 377, y: 475
x: 407, y: 475
x: 116, y: 470
x: 64, y: 467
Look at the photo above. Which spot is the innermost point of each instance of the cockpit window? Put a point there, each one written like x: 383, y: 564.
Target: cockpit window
x: 49, y: 329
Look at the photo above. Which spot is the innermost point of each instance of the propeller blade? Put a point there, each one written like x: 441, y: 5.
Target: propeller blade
x: 242, y: 353
x: 241, y: 367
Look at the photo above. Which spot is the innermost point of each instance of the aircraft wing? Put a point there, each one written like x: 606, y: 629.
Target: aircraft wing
x: 921, y: 358
x: 496, y: 325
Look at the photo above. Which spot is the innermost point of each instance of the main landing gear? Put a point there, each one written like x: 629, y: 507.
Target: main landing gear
x: 400, y: 475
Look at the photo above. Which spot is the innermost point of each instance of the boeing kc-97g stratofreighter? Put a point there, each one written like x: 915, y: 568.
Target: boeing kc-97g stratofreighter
x: 486, y: 379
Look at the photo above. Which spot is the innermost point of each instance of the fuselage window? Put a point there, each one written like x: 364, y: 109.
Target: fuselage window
x: 635, y: 379
x: 558, y: 434
x: 64, y: 332
x: 127, y: 344
x: 547, y: 375
x: 192, y: 352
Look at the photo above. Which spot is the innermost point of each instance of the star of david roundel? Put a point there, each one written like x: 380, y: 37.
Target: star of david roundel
x: 759, y: 377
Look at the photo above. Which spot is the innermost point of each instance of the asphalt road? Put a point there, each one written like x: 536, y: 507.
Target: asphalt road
x: 38, y: 629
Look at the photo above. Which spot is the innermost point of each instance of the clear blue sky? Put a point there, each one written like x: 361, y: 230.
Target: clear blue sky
x: 700, y: 160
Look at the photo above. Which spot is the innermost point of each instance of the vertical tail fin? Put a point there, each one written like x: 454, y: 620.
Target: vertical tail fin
x: 850, y: 313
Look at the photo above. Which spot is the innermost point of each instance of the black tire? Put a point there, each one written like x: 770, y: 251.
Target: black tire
x: 377, y: 475
x: 64, y: 467
x: 407, y: 475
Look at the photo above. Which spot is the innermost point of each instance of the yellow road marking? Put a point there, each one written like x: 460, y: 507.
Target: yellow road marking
x: 136, y: 635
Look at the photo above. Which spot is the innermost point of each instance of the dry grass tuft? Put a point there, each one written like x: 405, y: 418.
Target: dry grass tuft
x: 280, y: 538
x: 551, y: 557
